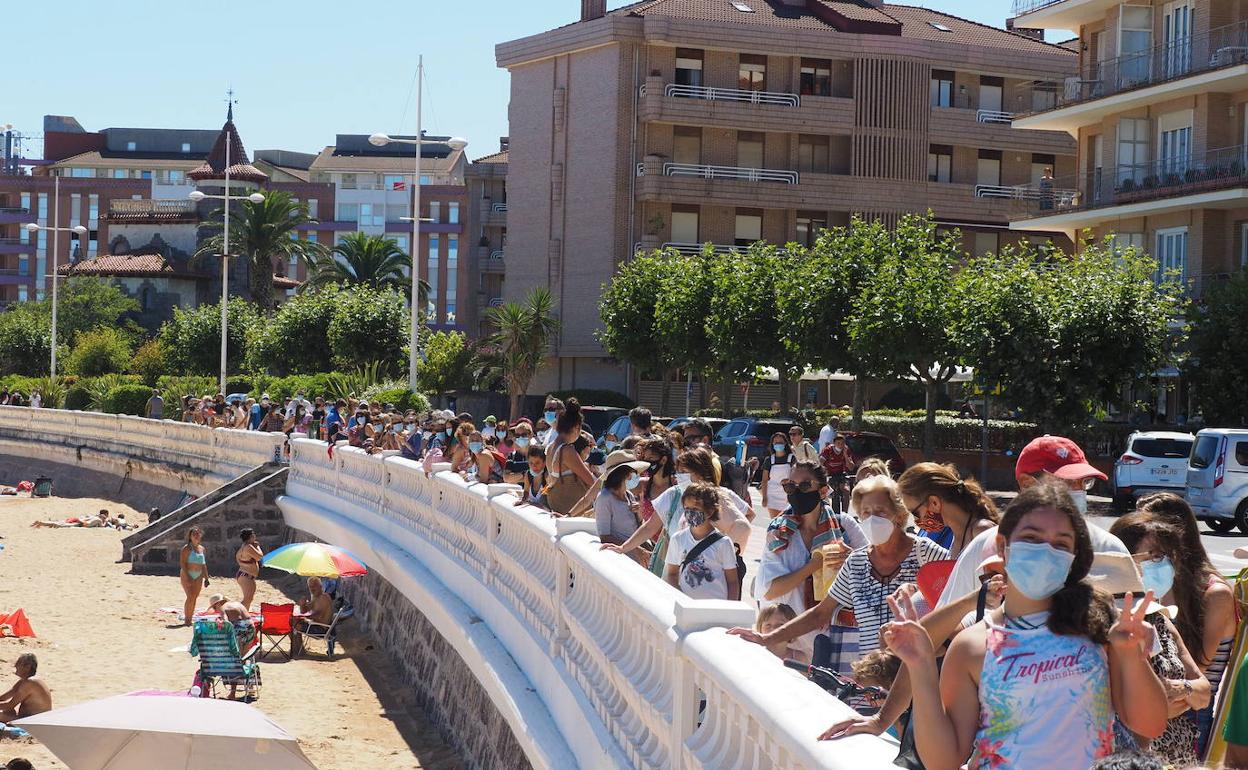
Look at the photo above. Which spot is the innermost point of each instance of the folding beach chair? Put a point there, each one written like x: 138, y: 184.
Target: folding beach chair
x: 326, y: 633
x: 216, y: 643
x: 278, y: 625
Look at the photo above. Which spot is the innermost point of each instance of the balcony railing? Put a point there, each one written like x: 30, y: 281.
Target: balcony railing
x: 499, y: 208
x: 1027, y: 6
x: 1023, y: 192
x: 151, y: 207
x: 691, y: 248
x: 14, y: 210
x: 993, y: 116
x: 778, y: 98
x: 15, y: 271
x: 1215, y: 49
x: 703, y: 171
x: 1220, y: 169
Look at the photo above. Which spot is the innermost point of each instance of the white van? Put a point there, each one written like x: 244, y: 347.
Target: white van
x: 1217, y: 478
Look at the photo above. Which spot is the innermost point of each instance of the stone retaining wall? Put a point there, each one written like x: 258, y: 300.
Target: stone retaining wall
x: 434, y: 675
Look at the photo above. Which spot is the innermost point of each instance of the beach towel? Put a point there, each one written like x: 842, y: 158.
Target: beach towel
x: 15, y: 624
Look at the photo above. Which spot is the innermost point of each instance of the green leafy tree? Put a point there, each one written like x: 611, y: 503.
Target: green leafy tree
x: 367, y: 326
x: 25, y: 342
x: 104, y: 350
x: 192, y: 338
x: 743, y: 326
x: 295, y: 339
x: 1218, y: 353
x: 521, y: 342
x: 368, y: 260
x: 85, y: 303
x: 149, y: 362
x: 902, y: 324
x: 450, y: 362
x: 262, y: 233
x: 682, y: 304
x: 629, y: 318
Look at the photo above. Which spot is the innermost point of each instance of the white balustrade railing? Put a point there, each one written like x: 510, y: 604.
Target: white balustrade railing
x: 993, y: 116
x: 1027, y: 192
x: 705, y: 171
x: 632, y: 672
x: 778, y: 98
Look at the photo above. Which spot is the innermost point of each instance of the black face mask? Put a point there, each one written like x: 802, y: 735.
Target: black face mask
x: 804, y: 502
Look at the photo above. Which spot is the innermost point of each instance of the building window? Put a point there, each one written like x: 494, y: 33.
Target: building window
x: 23, y: 235
x: 435, y: 211
x: 121, y: 173
x: 23, y: 265
x: 942, y: 88
x: 348, y: 212
x: 991, y: 92
x: 26, y: 203
x: 93, y: 244
x: 348, y: 181
x: 809, y: 224
x: 41, y: 244
x: 812, y: 154
x: 145, y: 174
x: 93, y: 209
x: 988, y: 168
x: 1040, y: 162
x: 131, y: 146
x: 401, y: 242
x: 81, y: 173
x: 816, y: 77
x: 1171, y: 254
x: 749, y: 149
x: 186, y: 147
x: 685, y: 225
x: 687, y: 145
x: 452, y: 212
x: 939, y: 163
x: 1174, y: 141
x: 176, y: 177
x: 431, y: 308
x: 752, y: 72
x: 452, y: 275
x: 313, y: 205
x: 424, y: 179
x: 688, y: 67
x: 1132, y: 149
x: 372, y: 214
x: 749, y: 226
x: 75, y: 210
x: 1120, y: 242
x: 23, y: 293
x: 43, y: 208
x: 985, y: 243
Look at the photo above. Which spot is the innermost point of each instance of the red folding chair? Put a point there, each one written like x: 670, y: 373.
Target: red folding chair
x: 278, y: 624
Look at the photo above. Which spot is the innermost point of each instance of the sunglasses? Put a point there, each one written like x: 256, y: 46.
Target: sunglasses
x: 788, y: 486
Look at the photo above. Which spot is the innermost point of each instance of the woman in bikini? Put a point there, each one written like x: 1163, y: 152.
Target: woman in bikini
x: 248, y: 557
x: 194, y: 575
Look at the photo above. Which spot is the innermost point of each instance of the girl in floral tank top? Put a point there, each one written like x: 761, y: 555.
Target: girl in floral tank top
x: 1037, y: 683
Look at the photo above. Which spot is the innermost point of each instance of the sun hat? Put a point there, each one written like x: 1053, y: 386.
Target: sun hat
x: 623, y: 457
x: 1118, y: 574
x: 1056, y: 455
x: 216, y: 599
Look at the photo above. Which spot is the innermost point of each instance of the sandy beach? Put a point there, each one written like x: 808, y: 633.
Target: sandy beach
x: 100, y: 633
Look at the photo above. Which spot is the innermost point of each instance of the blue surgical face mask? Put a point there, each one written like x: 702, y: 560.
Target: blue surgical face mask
x: 779, y: 448
x: 632, y: 481
x: 447, y: 433
x: 1037, y: 570
x: 695, y: 516
x: 550, y: 417
x: 487, y: 432
x: 522, y: 441
x: 609, y: 444
x: 474, y: 446
x: 1158, y: 576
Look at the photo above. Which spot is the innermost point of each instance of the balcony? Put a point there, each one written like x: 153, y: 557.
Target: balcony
x: 10, y: 215
x: 15, y: 246
x: 993, y: 116
x: 704, y: 171
x: 493, y: 263
x: 690, y: 248
x: 1059, y: 14
x: 675, y: 104
x: 1214, y: 61
x: 1216, y: 179
x: 991, y: 129
x: 152, y: 210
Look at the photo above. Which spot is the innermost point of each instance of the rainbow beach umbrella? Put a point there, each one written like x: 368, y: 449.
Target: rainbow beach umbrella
x: 315, y: 559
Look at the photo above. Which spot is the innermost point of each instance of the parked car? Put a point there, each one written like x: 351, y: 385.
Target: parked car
x: 1154, y: 461
x: 1217, y: 478
x: 599, y: 418
x: 754, y: 431
x: 864, y: 444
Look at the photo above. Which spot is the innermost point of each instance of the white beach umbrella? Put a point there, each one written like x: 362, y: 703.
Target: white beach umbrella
x: 161, y: 731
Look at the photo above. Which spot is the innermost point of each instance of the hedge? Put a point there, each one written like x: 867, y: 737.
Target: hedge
x: 402, y: 398
x: 127, y: 399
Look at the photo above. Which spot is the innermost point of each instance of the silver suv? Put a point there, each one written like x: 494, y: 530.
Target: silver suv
x: 1217, y: 478
x: 1155, y: 461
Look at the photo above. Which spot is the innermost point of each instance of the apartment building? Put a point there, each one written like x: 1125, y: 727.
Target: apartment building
x: 684, y: 122
x: 1159, y: 107
x: 487, y: 223
x: 373, y: 193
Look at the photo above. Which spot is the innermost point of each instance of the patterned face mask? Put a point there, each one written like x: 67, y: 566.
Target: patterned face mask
x: 694, y: 516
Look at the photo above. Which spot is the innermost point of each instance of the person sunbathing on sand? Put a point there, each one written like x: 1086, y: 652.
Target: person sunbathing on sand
x: 101, y: 520
x: 29, y: 696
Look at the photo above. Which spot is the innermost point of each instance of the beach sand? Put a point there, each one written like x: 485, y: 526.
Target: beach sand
x: 100, y: 634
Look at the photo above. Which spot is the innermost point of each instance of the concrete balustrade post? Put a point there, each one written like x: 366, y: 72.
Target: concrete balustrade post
x: 563, y: 528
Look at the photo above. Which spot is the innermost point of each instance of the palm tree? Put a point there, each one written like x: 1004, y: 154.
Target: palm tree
x: 369, y: 260
x: 263, y: 232
x: 524, y: 332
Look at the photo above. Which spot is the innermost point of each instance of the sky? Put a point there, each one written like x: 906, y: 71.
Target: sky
x: 301, y: 70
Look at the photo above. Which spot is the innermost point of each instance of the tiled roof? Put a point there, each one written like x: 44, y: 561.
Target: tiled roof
x: 498, y: 157
x: 94, y: 158
x: 149, y: 265
x: 240, y: 169
x: 911, y: 21
x: 398, y: 164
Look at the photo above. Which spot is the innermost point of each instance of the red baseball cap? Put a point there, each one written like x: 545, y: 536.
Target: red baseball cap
x: 1056, y: 455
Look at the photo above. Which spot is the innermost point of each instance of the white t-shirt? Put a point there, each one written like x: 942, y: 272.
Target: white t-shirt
x: 827, y: 434
x: 732, y: 511
x: 702, y: 578
x: 965, y: 575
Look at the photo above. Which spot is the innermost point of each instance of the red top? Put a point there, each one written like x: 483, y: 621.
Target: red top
x: 837, y: 462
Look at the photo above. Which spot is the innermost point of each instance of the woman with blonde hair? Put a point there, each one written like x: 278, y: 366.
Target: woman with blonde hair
x: 949, y: 509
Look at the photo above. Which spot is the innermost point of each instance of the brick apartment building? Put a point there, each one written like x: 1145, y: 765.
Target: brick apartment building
x: 682, y: 122
x: 487, y: 224
x: 1159, y: 106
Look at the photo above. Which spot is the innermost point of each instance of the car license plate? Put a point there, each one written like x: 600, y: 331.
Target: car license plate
x: 1164, y: 472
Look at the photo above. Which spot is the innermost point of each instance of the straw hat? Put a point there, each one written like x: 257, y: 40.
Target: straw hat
x: 216, y: 599
x: 1118, y: 574
x: 623, y: 457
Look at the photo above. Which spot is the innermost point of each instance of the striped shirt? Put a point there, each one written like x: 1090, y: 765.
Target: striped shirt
x: 857, y: 589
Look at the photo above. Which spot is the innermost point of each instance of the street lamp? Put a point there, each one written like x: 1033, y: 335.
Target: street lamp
x: 198, y: 196
x: 455, y: 143
x: 56, y: 242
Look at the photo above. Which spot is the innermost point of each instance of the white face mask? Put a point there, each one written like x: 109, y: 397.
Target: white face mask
x: 877, y: 529
x: 1081, y: 500
x: 683, y: 479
